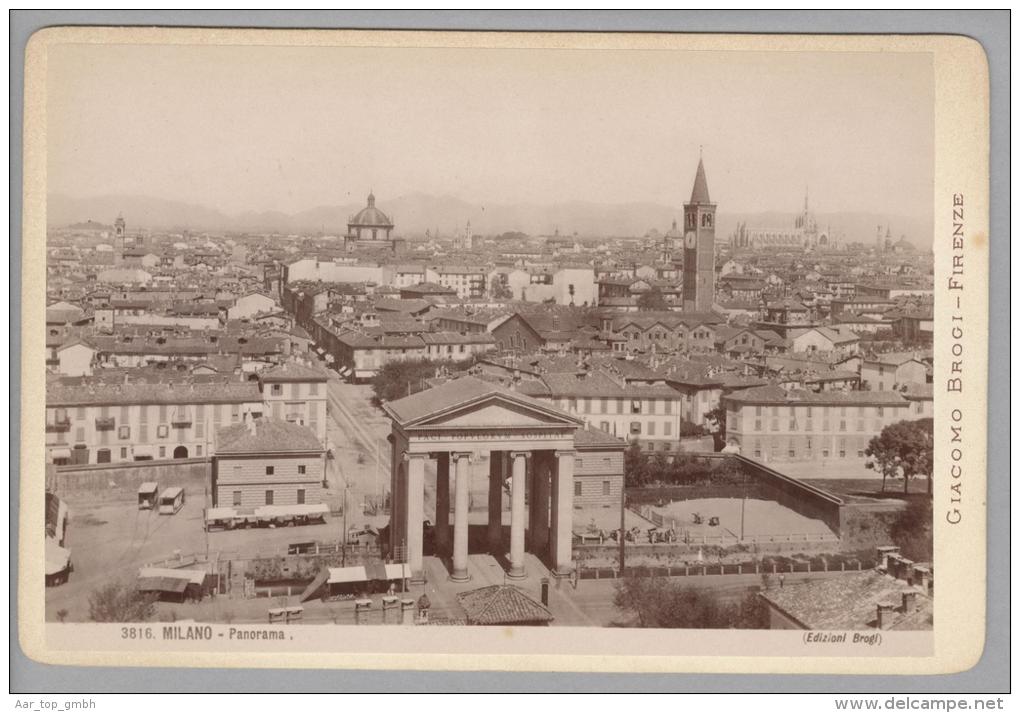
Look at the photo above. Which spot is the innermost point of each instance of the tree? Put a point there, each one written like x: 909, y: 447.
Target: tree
x: 657, y: 602
x: 904, y: 448
x: 717, y: 418
x: 912, y: 530
x: 652, y: 300
x: 118, y: 601
x: 397, y: 379
x: 499, y: 290
x: 635, y: 466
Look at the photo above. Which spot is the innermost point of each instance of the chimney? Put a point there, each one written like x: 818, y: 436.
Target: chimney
x: 886, y: 615
x: 252, y: 428
x: 909, y: 602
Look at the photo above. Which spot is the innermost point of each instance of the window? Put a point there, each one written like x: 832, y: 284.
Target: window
x: 124, y: 432
x: 668, y: 406
x: 301, y: 496
x: 635, y: 428
x: 793, y: 424
x: 605, y: 487
x: 313, y: 389
x: 577, y: 488
x: 842, y: 425
x: 269, y: 497
x: 123, y: 452
x: 277, y: 390
x: 198, y: 450
x: 635, y: 406
x: 860, y: 453
x: 604, y: 426
x: 757, y: 424
x: 162, y: 431
x: 237, y: 498
x: 651, y: 428
x: 825, y: 453
x: 301, y: 469
x: 162, y: 451
x: 270, y: 470
x: 79, y: 433
x: 667, y: 428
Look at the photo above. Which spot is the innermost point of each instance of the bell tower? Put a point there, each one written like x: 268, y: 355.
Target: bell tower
x: 699, y: 247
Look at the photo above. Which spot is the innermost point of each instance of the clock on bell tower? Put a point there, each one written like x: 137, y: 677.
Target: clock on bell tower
x: 698, y: 289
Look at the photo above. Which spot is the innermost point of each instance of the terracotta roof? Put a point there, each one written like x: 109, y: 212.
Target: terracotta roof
x: 590, y: 437
x: 293, y: 372
x: 502, y: 604
x: 849, y: 601
x: 777, y: 395
x: 189, y: 392
x: 271, y: 436
x: 455, y: 393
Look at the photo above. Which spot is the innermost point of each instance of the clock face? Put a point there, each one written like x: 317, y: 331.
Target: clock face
x: 691, y: 239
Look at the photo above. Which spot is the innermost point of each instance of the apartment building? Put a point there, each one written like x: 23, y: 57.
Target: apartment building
x: 266, y: 461
x: 296, y: 393
x: 769, y: 423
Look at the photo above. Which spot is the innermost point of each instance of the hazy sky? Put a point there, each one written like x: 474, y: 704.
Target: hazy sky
x: 260, y: 128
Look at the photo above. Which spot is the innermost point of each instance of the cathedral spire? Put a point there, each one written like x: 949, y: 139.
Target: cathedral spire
x: 700, y: 192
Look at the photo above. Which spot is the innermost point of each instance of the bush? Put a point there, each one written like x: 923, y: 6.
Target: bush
x: 117, y: 601
x: 657, y: 602
x: 912, y: 530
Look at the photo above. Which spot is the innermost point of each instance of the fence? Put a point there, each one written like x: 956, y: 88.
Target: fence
x: 707, y: 569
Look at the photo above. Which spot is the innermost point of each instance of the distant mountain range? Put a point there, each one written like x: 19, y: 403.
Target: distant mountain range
x: 415, y: 213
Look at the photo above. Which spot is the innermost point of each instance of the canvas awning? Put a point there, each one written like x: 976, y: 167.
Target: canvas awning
x: 142, y: 452
x: 220, y: 514
x: 57, y: 453
x: 57, y: 557
x: 148, y: 488
x: 347, y: 575
x: 188, y: 576
x: 398, y: 571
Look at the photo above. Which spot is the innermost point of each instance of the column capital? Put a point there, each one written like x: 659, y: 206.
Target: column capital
x: 525, y: 454
x: 560, y: 454
x: 458, y: 455
x: 413, y: 456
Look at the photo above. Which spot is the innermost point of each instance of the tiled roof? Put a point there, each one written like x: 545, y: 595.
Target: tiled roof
x: 191, y: 391
x: 590, y: 437
x: 454, y: 393
x: 293, y: 372
x: 848, y: 601
x: 502, y: 604
x: 271, y: 436
x: 777, y: 395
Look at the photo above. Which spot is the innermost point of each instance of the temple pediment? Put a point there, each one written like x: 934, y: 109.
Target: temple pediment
x: 498, y: 412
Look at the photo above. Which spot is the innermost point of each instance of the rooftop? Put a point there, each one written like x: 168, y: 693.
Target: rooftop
x: 270, y: 436
x: 502, y: 604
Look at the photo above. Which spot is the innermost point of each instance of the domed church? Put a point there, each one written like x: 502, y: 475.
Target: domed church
x: 369, y: 228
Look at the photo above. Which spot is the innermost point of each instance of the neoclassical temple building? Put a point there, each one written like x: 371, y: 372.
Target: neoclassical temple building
x: 530, y: 445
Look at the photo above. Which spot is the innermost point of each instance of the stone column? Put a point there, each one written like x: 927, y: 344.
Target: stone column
x: 460, y: 518
x: 561, y: 542
x: 497, y: 461
x: 442, y: 504
x: 415, y: 499
x: 517, y: 514
x: 542, y: 470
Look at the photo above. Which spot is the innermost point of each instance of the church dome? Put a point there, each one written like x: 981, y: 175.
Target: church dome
x: 370, y: 216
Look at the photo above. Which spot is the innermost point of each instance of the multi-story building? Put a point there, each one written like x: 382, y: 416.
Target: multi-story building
x: 769, y: 423
x: 296, y: 393
x: 892, y: 370
x: 266, y: 461
x: 102, y: 422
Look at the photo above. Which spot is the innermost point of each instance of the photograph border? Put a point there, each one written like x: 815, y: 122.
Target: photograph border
x: 22, y: 28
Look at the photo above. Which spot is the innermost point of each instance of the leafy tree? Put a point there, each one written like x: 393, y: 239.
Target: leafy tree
x: 499, y: 290
x: 657, y: 602
x: 912, y: 530
x: 635, y: 466
x: 652, y: 300
x: 717, y: 419
x: 397, y: 379
x: 904, y: 448
x: 118, y: 601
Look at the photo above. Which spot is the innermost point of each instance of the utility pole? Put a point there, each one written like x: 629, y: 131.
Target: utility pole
x: 623, y: 523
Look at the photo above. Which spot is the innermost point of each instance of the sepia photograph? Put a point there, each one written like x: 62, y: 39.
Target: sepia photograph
x: 439, y: 333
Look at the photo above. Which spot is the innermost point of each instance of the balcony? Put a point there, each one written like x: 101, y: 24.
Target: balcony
x: 106, y: 424
x: 58, y: 425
